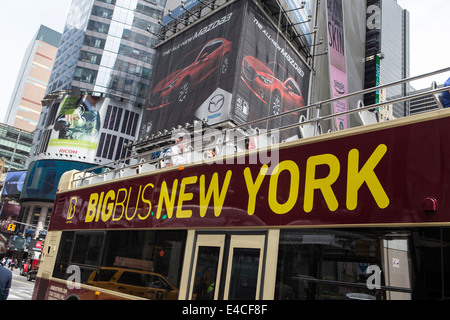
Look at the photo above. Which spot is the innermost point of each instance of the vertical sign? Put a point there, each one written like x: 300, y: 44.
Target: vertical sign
x: 336, y: 50
x: 377, y: 77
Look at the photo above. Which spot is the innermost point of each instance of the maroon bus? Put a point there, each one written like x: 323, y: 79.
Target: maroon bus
x: 354, y: 214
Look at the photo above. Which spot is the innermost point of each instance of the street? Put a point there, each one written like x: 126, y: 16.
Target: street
x: 21, y: 289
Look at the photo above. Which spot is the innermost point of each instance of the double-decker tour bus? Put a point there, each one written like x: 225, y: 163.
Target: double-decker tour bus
x: 355, y: 214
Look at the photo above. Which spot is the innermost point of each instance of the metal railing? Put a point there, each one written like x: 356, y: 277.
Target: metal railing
x: 156, y: 159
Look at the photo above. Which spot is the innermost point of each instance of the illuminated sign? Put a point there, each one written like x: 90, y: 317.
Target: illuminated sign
x: 14, y: 183
x: 43, y: 177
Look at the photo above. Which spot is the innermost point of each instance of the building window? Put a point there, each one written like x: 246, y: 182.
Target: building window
x: 36, y: 216
x: 90, y: 57
x: 49, y: 216
x: 85, y: 75
x: 98, y: 26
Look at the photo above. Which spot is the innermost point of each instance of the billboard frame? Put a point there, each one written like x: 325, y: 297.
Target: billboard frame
x: 148, y: 129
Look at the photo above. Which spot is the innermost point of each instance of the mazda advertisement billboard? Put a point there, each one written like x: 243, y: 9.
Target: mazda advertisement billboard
x: 192, y: 69
x: 271, y: 77
x: 230, y: 66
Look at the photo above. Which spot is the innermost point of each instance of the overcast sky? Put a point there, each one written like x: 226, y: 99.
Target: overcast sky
x: 430, y: 41
x: 20, y: 20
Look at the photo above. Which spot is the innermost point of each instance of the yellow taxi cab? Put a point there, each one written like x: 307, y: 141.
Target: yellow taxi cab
x: 145, y: 284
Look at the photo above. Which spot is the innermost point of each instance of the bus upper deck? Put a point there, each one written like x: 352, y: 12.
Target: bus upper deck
x: 228, y: 139
x: 356, y: 214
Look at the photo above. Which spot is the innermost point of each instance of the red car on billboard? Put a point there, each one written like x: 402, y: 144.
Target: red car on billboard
x: 265, y: 84
x: 177, y: 87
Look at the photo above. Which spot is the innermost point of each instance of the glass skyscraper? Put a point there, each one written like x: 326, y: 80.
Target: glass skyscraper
x: 395, y: 49
x: 106, y: 48
x: 105, y: 56
x: 387, y: 52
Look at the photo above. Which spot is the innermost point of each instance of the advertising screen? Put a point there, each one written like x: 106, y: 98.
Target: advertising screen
x: 8, y: 213
x: 338, y: 68
x: 43, y: 178
x: 14, y: 183
x: 233, y: 65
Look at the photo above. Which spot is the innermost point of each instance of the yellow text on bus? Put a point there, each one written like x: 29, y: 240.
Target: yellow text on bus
x: 115, y: 204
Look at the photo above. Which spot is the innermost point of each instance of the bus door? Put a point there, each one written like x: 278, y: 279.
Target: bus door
x: 227, y: 267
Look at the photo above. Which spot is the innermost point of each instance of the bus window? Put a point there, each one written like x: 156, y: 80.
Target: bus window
x: 206, y: 273
x: 244, y: 274
x: 63, y: 258
x: 143, y: 263
x: 321, y: 264
x: 87, y: 248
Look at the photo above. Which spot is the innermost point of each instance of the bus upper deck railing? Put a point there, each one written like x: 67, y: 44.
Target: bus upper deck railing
x: 158, y: 157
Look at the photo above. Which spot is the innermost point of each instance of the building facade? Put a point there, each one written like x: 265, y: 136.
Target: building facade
x: 15, y: 146
x: 93, y: 100
x: 387, y: 51
x: 422, y: 104
x: 106, y: 48
x: 25, y: 104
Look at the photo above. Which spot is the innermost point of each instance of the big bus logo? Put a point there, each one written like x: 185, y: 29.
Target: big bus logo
x: 72, y: 207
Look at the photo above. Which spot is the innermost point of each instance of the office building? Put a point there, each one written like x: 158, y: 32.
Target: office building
x: 422, y: 104
x: 15, y: 146
x: 387, y: 51
x: 94, y: 98
x: 25, y: 104
x: 106, y: 48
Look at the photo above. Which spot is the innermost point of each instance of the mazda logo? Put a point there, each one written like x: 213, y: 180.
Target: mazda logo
x: 216, y: 103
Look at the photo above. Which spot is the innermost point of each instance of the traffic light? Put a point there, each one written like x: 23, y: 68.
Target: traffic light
x: 12, y: 227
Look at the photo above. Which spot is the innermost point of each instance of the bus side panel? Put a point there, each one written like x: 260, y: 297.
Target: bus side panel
x: 49, y: 254
x: 54, y: 290
x: 46, y: 264
x: 40, y: 289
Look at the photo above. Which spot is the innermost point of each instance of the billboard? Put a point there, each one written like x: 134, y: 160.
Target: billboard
x: 77, y: 125
x: 232, y: 65
x: 9, y: 212
x: 272, y: 78
x: 14, y: 183
x: 190, y: 69
x: 88, y: 129
x: 338, y: 67
x: 43, y: 178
